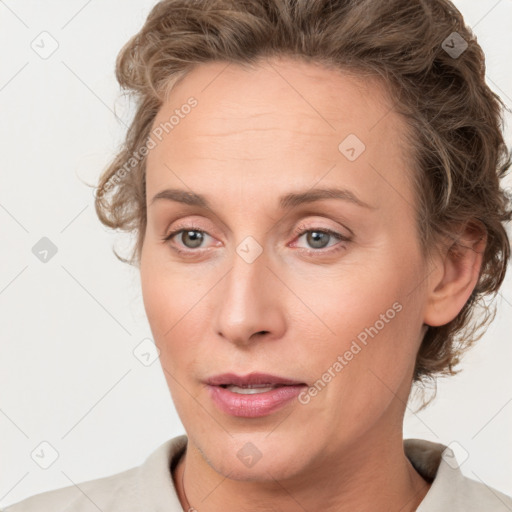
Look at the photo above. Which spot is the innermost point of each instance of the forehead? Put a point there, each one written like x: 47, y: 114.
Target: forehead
x: 280, y: 114
x: 282, y: 86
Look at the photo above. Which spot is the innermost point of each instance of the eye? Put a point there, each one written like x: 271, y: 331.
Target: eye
x: 318, y: 238
x: 191, y: 238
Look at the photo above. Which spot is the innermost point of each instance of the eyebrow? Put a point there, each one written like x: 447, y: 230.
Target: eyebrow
x: 290, y: 200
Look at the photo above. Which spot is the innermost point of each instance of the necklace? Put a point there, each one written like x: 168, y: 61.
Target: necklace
x: 189, y: 508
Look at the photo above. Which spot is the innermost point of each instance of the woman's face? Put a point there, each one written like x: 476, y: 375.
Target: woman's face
x: 257, y: 283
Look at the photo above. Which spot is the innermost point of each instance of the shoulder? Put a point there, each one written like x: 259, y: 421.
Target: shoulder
x: 93, y: 495
x: 456, y: 491
x: 135, y: 489
x: 479, y: 496
x: 451, y: 489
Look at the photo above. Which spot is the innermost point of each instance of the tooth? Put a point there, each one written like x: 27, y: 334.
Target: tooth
x: 250, y: 390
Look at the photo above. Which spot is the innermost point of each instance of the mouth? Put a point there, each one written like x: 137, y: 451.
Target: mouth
x: 253, y: 395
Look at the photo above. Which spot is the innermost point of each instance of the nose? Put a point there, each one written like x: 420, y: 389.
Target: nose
x: 250, y: 303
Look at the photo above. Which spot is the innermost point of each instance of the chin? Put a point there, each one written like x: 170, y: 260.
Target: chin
x: 255, y: 456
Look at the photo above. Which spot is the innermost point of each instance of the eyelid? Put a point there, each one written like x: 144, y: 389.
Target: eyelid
x: 301, y: 228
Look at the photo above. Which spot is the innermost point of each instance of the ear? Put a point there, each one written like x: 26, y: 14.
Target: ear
x: 456, y: 272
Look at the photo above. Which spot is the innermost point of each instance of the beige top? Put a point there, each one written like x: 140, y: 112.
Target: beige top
x: 150, y: 488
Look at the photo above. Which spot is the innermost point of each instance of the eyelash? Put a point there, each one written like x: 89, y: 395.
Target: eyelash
x: 298, y: 232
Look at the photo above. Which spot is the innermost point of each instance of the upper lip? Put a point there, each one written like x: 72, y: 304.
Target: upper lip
x: 252, y: 378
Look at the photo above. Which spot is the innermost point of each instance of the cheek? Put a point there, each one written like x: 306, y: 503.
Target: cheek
x: 163, y: 289
x: 156, y: 300
x: 163, y: 306
x: 162, y: 297
x: 351, y: 300
x: 175, y: 314
x: 370, y: 323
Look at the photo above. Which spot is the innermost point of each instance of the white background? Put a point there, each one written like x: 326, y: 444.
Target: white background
x: 68, y: 327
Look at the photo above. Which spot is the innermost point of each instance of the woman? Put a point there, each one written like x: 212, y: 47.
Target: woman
x: 336, y: 166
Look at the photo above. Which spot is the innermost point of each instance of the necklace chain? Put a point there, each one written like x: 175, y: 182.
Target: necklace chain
x: 189, y: 508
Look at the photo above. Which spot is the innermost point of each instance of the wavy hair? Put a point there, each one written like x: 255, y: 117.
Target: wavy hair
x: 434, y: 70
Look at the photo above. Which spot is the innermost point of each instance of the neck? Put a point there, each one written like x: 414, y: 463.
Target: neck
x: 369, y: 476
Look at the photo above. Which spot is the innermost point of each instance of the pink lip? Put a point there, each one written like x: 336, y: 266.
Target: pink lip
x: 257, y: 404
x: 251, y: 378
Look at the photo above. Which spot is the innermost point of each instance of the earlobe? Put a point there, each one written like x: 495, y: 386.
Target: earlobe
x: 458, y: 267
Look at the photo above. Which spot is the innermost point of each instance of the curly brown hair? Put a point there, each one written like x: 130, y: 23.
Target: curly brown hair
x: 458, y: 148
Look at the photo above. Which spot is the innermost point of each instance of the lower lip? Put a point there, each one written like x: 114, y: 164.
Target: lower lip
x: 252, y: 406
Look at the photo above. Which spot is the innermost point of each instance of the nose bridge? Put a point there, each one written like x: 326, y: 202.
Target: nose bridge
x: 246, y: 305
x: 242, y: 293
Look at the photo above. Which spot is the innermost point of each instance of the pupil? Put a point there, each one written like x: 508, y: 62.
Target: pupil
x: 313, y: 238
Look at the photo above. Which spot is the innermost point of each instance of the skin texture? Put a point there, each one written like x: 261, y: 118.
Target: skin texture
x: 257, y: 134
